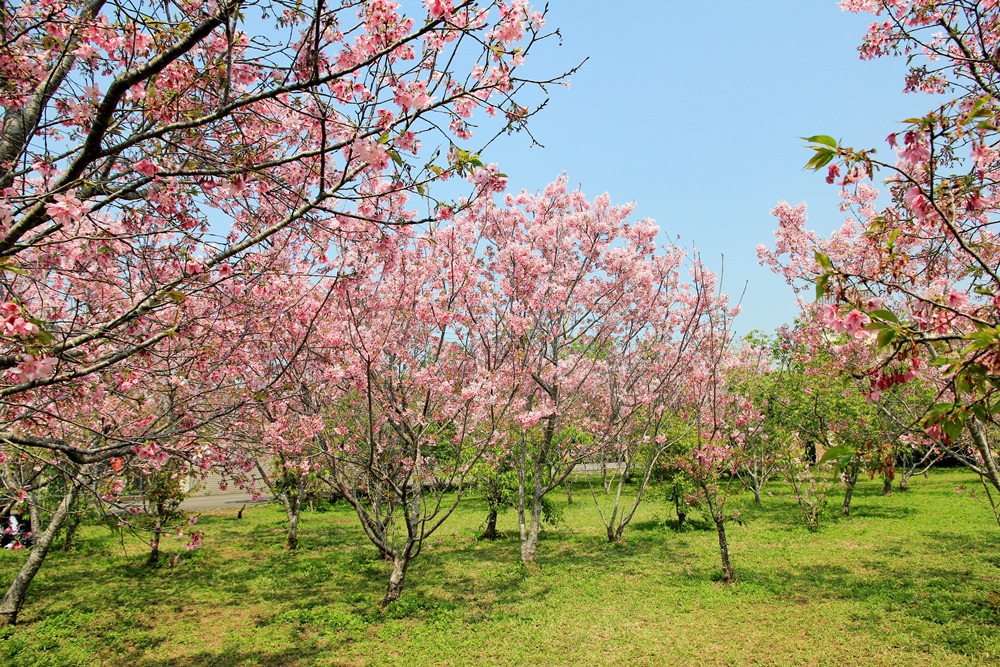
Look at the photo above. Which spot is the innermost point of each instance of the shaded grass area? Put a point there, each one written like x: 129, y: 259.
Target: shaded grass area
x: 913, y: 578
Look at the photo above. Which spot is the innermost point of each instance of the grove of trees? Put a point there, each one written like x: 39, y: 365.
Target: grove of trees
x: 225, y: 246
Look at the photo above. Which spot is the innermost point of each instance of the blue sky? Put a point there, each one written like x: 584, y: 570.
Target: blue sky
x: 695, y: 110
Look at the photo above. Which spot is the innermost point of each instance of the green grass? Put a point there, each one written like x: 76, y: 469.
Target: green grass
x: 911, y: 579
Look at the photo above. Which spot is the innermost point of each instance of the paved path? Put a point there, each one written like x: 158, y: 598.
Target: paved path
x: 229, y: 500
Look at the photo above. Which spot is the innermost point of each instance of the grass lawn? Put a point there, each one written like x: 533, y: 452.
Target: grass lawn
x: 910, y: 579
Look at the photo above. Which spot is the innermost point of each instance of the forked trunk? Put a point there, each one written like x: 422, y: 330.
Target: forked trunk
x: 14, y: 599
x: 529, y: 533
x: 530, y: 525
x: 397, y: 576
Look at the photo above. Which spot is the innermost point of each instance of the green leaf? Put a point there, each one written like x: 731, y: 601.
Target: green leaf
x: 979, y: 410
x: 14, y: 269
x: 822, y: 139
x: 953, y: 427
x: 886, y: 337
x: 883, y: 314
x: 822, y: 158
x: 836, y: 453
x: 823, y: 261
x: 821, y: 283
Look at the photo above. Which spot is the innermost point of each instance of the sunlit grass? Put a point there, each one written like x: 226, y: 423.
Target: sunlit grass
x: 913, y: 578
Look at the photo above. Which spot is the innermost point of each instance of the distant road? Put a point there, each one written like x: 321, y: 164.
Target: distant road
x: 228, y: 500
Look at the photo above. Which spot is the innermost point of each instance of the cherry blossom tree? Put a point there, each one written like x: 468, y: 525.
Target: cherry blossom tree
x: 913, y: 270
x: 573, y: 284
x: 418, y: 401
x: 717, y: 418
x: 154, y: 154
x: 645, y: 371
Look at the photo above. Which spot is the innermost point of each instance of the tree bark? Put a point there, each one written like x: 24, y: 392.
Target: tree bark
x: 35, y: 514
x: 293, y: 510
x: 154, y: 544
x: 491, y: 525
x: 886, y: 486
x: 397, y: 576
x: 529, y: 532
x: 727, y: 569
x: 14, y: 599
x: 848, y: 494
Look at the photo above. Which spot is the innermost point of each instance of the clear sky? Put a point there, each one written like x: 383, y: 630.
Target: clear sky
x: 694, y: 110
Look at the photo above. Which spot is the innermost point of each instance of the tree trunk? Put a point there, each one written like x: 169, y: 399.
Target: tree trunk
x: 35, y: 514
x: 293, y: 510
x: 848, y: 494
x: 69, y: 537
x: 853, y: 470
x: 756, y: 494
x: 886, y: 486
x: 529, y: 525
x: 400, y: 563
x: 529, y: 532
x: 14, y: 599
x: 727, y: 569
x: 569, y: 492
x: 154, y: 544
x: 616, y: 527
x: 491, y: 525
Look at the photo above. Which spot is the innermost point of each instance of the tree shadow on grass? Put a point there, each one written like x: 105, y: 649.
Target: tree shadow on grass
x: 294, y: 657
x: 964, y: 609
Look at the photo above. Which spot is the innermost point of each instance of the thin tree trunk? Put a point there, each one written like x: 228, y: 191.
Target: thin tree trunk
x: 491, y: 525
x: 852, y: 473
x: 727, y: 569
x: 886, y: 486
x: 14, y: 599
x: 991, y: 470
x: 154, y: 544
x: 293, y: 510
x: 69, y: 538
x: 529, y: 533
x: 848, y: 494
x: 35, y: 514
